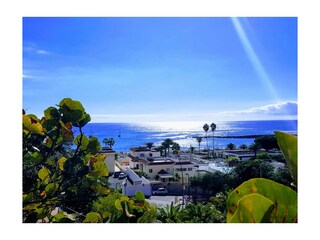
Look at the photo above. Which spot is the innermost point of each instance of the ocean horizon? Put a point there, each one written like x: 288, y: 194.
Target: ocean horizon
x: 128, y: 135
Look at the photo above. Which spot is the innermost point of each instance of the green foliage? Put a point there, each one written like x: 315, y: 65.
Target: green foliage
x: 170, y: 214
x: 289, y: 146
x: 118, y: 208
x: 246, y: 170
x: 231, y: 146
x: 283, y: 199
x: 54, y: 175
x: 252, y: 208
x: 201, y: 213
x: 263, y: 156
x: 262, y: 200
x: 266, y: 142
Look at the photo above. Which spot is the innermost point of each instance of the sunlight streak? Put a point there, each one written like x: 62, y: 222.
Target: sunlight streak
x: 254, y: 59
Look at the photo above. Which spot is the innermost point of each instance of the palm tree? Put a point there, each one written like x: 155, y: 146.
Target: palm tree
x: 191, y: 149
x: 108, y: 142
x: 206, y: 128
x: 231, y: 146
x: 243, y: 146
x: 175, y: 148
x: 213, y: 127
x: 149, y: 145
x: 167, y: 143
x: 199, y: 140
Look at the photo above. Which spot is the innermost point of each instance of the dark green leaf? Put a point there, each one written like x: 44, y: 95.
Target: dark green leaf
x: 289, y: 146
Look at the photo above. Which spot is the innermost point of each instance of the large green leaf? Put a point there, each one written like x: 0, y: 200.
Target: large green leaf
x: 82, y: 122
x: 61, y: 217
x: 43, y: 174
x: 140, y: 196
x: 289, y: 146
x: 84, y: 141
x: 93, y: 145
x: 283, y: 197
x: 51, y: 188
x: 32, y: 124
x: 99, y: 170
x: 71, y: 110
x: 92, y: 217
x: 252, y: 208
x: 51, y: 112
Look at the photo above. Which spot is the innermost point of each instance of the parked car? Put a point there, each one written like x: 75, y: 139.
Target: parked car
x: 122, y: 175
x: 160, y: 191
x: 116, y: 174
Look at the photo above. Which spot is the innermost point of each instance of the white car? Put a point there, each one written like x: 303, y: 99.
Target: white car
x: 160, y: 191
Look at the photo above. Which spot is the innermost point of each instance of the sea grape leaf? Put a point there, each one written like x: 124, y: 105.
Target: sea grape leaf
x: 82, y: 122
x: 288, y: 144
x: 51, y: 112
x: 43, y: 174
x: 93, y: 145
x: 28, y: 197
x: 31, y: 159
x: 42, y: 212
x: 49, y: 124
x: 101, y: 189
x: 284, y: 198
x: 71, y: 110
x: 252, y: 208
x: 71, y: 104
x: 51, y: 188
x: 84, y: 141
x: 61, y: 162
x: 67, y: 134
x: 101, y: 169
x: 92, y: 217
x: 32, y: 124
x: 101, y: 157
x: 61, y: 218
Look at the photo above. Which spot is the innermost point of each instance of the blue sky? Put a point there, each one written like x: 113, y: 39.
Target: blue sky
x: 163, y: 69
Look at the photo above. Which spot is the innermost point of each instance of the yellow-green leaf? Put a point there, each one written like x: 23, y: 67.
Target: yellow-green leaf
x: 43, y: 174
x: 61, y: 162
x: 51, y: 188
x: 92, y: 217
x: 252, y: 208
x: 31, y: 123
x: 117, y: 203
x: 285, y: 198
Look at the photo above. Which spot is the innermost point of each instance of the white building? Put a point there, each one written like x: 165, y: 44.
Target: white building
x: 109, y: 161
x: 161, y: 168
x: 134, y: 183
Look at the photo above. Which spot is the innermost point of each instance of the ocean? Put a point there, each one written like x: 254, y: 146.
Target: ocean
x: 129, y: 135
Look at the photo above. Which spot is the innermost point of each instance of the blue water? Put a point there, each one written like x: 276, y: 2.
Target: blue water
x: 129, y: 135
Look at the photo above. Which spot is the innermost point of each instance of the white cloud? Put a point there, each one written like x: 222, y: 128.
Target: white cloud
x: 26, y: 76
x: 33, y: 48
x: 44, y: 52
x: 287, y: 108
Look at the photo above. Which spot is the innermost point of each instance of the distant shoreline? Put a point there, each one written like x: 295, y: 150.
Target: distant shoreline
x: 240, y: 136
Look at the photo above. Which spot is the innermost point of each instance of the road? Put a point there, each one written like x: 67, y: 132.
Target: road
x: 161, y: 201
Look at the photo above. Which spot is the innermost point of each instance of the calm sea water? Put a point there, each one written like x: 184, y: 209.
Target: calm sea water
x: 129, y: 135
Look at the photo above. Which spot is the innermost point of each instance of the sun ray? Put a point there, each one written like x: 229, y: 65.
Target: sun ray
x: 254, y: 59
